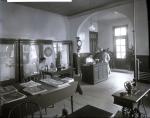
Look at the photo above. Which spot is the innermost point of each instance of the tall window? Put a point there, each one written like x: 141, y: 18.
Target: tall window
x: 120, y: 38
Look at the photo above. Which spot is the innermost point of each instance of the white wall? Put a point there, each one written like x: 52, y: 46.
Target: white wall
x: 141, y: 23
x: 83, y: 33
x: 105, y: 39
x: 75, y: 22
x: 17, y: 21
x: 141, y: 28
x: 106, y: 32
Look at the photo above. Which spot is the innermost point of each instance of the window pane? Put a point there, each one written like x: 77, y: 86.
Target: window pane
x: 122, y: 42
x: 54, y: 44
x: 59, y: 46
x: 118, y: 49
x: 55, y: 49
x: 123, y: 31
x: 123, y: 55
x: 118, y: 55
x: 123, y: 48
x: 117, y: 42
x: 117, y: 31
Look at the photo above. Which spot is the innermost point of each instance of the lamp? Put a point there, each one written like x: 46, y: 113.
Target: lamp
x: 91, y: 27
x: 92, y: 24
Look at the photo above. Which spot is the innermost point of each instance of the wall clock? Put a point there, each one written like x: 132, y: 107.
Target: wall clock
x: 79, y: 44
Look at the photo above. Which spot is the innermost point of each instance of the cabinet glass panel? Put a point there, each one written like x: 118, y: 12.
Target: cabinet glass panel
x: 62, y: 54
x: 49, y: 54
x: 30, y: 59
x: 65, y: 56
x: 7, y: 62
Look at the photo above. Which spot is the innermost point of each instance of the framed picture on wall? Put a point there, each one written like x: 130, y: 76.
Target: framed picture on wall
x: 48, y: 51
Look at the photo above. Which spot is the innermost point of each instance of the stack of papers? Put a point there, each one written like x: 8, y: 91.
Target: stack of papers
x: 10, y: 94
x: 35, y: 90
x: 55, y: 83
x: 30, y: 84
x: 13, y: 96
x: 7, y: 89
x: 33, y: 87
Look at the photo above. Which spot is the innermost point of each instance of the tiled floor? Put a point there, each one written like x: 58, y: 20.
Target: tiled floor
x: 99, y: 95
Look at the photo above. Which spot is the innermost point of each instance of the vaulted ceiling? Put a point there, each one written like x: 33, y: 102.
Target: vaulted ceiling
x: 74, y: 7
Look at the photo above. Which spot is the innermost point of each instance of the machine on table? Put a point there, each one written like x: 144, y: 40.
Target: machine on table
x: 131, y: 102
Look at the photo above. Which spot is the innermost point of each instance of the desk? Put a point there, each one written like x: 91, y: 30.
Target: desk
x: 94, y: 73
x: 45, y: 99
x: 131, y: 102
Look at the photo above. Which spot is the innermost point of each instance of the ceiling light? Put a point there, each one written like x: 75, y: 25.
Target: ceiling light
x: 92, y: 28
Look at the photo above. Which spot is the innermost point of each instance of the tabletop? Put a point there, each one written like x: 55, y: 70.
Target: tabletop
x: 51, y: 96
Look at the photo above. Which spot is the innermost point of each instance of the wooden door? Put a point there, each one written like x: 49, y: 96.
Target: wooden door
x: 93, y: 37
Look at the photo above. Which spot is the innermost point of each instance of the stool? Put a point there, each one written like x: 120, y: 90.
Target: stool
x: 90, y: 112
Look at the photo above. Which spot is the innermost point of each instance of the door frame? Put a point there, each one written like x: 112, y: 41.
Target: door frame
x: 122, y: 62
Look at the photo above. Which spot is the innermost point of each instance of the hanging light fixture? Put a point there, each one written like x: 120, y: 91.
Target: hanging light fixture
x: 91, y: 27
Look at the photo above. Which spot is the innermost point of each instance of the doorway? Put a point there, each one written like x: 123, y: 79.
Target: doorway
x: 120, y: 36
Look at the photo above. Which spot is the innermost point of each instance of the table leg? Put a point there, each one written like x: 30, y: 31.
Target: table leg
x: 72, y: 104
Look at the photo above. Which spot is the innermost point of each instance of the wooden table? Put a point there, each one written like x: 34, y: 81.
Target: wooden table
x: 51, y: 96
x: 131, y: 102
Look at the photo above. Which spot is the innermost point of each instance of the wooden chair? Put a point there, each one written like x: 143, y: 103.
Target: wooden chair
x: 25, y: 110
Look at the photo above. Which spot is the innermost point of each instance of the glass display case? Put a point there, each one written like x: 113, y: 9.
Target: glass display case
x: 29, y: 58
x: 30, y: 54
x: 19, y: 59
x: 7, y: 59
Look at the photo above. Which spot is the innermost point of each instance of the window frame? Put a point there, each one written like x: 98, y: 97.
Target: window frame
x: 120, y: 37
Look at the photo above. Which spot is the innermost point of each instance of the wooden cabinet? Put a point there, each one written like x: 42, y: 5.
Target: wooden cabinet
x: 94, y: 73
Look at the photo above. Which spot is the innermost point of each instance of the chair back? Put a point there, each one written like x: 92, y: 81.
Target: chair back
x: 25, y: 110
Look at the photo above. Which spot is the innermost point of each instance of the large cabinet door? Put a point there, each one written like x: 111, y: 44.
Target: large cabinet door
x: 30, y: 53
x: 64, y: 49
x: 8, y: 60
x: 29, y: 58
x: 47, y: 51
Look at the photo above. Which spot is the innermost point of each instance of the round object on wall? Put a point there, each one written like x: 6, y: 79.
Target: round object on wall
x: 79, y: 43
x: 48, y: 51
